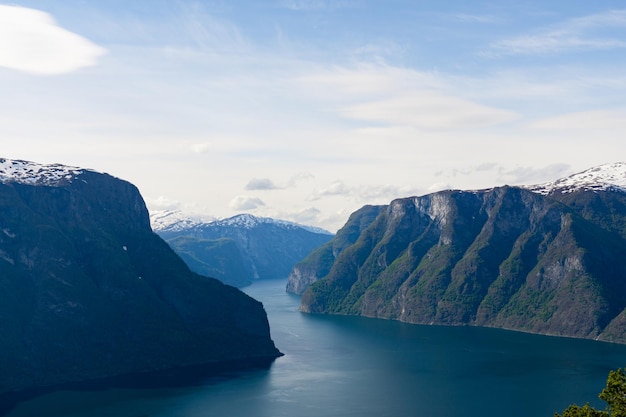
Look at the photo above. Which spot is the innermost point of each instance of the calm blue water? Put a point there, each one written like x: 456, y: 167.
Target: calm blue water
x: 350, y: 366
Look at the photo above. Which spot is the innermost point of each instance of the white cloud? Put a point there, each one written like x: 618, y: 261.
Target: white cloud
x: 300, y: 177
x: 400, y: 97
x: 439, y: 186
x: 244, y: 202
x: 531, y: 175
x: 306, y: 216
x: 201, y: 147
x: 336, y: 188
x: 163, y: 203
x: 591, y: 120
x: 31, y: 41
x: 366, y: 80
x: 429, y: 110
x: 261, y: 184
x: 572, y: 35
x: 374, y: 193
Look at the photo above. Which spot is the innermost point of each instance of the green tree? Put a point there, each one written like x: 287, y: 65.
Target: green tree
x: 584, y: 411
x: 614, y: 394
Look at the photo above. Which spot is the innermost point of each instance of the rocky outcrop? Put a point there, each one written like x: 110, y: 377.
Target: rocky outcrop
x: 89, y: 291
x: 504, y: 257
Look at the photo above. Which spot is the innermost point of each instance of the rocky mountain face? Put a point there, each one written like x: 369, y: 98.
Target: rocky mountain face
x: 88, y: 291
x: 545, y: 259
x: 241, y: 249
x: 318, y: 263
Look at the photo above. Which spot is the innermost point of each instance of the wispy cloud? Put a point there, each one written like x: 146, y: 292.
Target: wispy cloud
x: 210, y: 33
x: 370, y: 193
x: 473, y: 18
x: 592, y: 120
x: 520, y: 175
x: 366, y: 80
x: 429, y: 110
x: 311, y: 5
x: 383, y: 94
x: 31, y: 41
x: 579, y: 34
x: 528, y: 175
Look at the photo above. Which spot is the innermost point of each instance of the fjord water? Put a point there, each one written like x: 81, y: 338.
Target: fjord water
x: 352, y: 366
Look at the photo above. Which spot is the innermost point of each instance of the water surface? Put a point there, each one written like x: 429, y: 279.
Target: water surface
x: 352, y: 366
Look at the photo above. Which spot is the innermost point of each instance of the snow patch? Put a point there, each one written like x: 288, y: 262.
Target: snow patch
x: 31, y: 173
x: 248, y: 221
x: 176, y: 220
x: 601, y: 178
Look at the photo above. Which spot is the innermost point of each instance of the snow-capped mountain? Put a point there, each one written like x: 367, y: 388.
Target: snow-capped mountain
x: 600, y: 178
x: 249, y: 221
x: 176, y: 220
x: 239, y: 249
x: 32, y: 173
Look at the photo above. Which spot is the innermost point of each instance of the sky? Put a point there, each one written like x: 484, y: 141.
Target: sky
x: 306, y: 110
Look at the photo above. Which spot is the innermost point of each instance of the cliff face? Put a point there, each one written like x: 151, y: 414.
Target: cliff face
x: 87, y: 290
x: 317, y: 264
x: 505, y: 257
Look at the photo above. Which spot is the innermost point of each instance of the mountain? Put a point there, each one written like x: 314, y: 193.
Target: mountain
x: 175, y: 220
x: 545, y: 259
x: 242, y: 248
x: 88, y: 291
x: 318, y: 263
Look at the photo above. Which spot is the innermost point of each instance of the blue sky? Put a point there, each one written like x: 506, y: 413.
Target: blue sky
x: 305, y: 110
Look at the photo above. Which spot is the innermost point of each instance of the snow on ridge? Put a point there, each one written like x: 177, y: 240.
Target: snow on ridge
x: 249, y: 221
x: 32, y: 173
x: 600, y: 178
x: 176, y: 220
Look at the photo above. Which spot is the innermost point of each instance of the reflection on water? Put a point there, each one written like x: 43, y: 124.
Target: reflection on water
x: 351, y: 366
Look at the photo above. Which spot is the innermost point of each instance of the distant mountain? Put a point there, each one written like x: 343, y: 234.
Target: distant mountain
x: 89, y: 291
x: 239, y: 249
x: 608, y: 177
x: 546, y: 259
x: 175, y: 220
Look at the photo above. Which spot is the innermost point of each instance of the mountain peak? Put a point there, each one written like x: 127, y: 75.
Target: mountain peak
x: 248, y: 221
x: 600, y: 178
x: 176, y: 220
x: 31, y: 173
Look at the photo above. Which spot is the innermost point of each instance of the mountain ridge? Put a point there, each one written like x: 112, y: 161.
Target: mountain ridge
x: 544, y: 262
x: 177, y: 220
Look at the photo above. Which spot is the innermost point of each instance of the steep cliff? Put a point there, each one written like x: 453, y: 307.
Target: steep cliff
x: 548, y: 262
x: 87, y: 290
x: 317, y: 264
